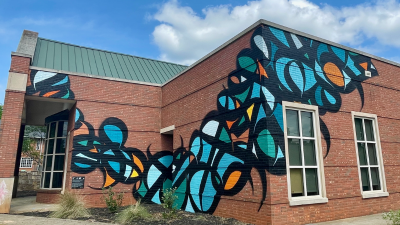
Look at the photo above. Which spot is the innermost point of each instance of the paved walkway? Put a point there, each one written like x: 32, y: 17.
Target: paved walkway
x: 29, y: 204
x: 30, y: 220
x: 375, y: 219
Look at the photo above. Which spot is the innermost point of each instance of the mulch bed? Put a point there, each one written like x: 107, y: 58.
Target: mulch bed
x: 183, y: 217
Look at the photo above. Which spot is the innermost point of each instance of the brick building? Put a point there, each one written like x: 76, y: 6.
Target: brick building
x: 273, y: 127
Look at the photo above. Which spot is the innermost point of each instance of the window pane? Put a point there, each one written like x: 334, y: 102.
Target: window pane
x: 312, y: 182
x: 296, y: 182
x: 292, y: 119
x: 62, y: 129
x: 365, y: 179
x: 369, y: 130
x: 60, y: 146
x: 359, y: 129
x: 376, y: 184
x: 42, y: 180
x: 50, y: 146
x: 46, y: 183
x: 59, y: 162
x: 49, y: 160
x: 294, y: 152
x: 372, y: 154
x: 362, y: 156
x: 52, y: 130
x: 309, y: 152
x: 57, y: 180
x: 65, y: 129
x: 307, y: 124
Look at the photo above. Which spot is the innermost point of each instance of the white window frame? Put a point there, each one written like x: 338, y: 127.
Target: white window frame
x: 374, y: 193
x: 305, y: 200
x: 24, y: 162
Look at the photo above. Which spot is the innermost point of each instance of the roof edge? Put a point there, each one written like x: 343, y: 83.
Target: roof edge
x: 94, y: 76
x: 245, y: 31
x: 96, y: 49
x: 20, y: 54
x: 268, y: 23
x: 328, y: 42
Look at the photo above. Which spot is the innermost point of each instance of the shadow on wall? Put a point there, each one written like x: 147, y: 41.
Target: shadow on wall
x: 245, y: 132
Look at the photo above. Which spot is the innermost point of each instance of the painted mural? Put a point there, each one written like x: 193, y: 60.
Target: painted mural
x: 119, y: 164
x: 49, y: 84
x: 244, y: 134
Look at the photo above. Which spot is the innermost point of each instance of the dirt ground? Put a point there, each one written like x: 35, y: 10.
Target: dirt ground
x: 183, y: 217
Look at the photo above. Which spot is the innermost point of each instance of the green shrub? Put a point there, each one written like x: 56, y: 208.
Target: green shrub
x: 393, y: 217
x: 112, y: 199
x: 71, y: 207
x: 133, y: 212
x: 168, y: 203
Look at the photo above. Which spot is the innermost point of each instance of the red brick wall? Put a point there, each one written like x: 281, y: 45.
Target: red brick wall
x: 341, y: 169
x: 138, y: 106
x: 188, y: 98
x: 48, y: 196
x: 11, y: 120
x: 10, y: 128
x: 185, y: 101
x: 20, y: 64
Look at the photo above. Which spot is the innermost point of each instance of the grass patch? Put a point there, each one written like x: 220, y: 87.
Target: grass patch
x: 132, y: 213
x: 392, y: 217
x: 71, y: 207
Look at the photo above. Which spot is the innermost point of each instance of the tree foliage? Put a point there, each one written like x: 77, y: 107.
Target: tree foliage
x: 33, y: 134
x: 38, y: 131
x: 28, y: 149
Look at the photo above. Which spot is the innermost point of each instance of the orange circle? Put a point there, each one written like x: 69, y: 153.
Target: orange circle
x: 334, y: 74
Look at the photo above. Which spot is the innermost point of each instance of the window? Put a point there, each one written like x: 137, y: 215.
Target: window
x: 303, y: 154
x: 26, y: 163
x: 369, y: 155
x: 53, y: 161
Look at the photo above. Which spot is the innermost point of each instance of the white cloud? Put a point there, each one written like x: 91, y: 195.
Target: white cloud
x: 184, y: 36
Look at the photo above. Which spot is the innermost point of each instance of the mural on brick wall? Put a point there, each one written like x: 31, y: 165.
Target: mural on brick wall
x: 244, y: 134
x: 119, y: 164
x: 49, y: 84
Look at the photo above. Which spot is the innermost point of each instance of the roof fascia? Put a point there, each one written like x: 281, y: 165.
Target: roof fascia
x: 268, y: 23
x: 94, y: 76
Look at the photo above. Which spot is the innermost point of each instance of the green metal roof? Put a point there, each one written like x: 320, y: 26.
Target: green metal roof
x: 77, y: 59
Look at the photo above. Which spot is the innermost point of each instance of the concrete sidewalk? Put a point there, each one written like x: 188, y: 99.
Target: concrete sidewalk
x: 17, y: 219
x: 375, y: 219
x: 30, y: 220
x: 29, y: 204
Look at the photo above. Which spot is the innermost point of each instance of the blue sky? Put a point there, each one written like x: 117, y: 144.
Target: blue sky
x: 184, y: 31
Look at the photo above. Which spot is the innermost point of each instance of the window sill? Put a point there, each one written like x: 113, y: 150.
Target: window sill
x: 307, y: 201
x: 375, y: 194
